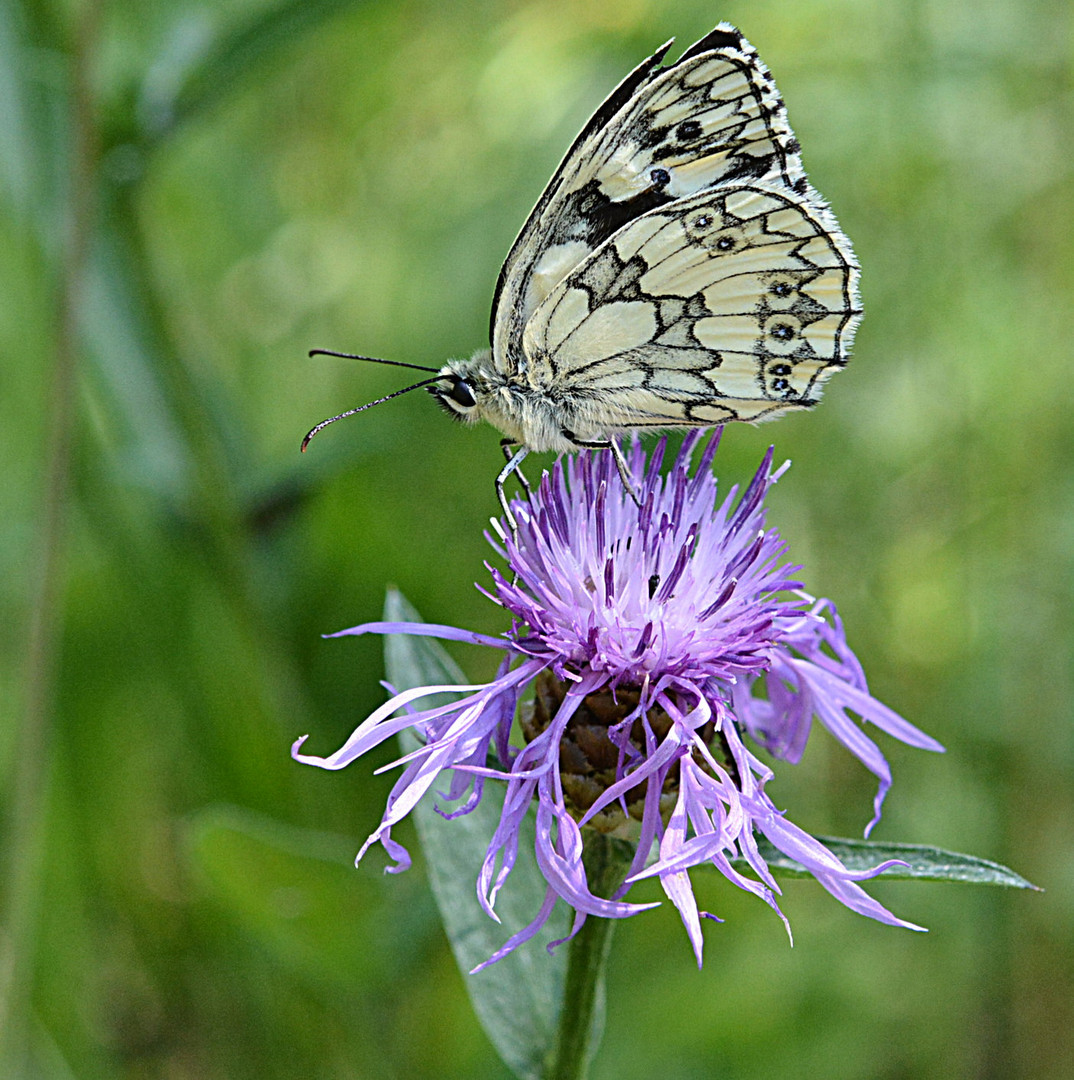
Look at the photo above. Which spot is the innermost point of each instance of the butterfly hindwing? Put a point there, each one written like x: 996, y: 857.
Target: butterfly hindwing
x: 732, y: 304
x: 711, y: 117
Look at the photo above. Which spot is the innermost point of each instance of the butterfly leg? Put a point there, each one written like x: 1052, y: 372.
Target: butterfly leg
x: 514, y: 461
x: 620, y: 461
x: 508, y: 448
x: 624, y: 472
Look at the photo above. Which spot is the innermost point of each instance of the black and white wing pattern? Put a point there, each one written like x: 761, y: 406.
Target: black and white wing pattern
x: 712, y: 117
x: 731, y: 304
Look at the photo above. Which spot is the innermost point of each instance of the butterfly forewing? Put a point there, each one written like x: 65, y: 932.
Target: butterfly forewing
x: 731, y: 304
x: 710, y: 118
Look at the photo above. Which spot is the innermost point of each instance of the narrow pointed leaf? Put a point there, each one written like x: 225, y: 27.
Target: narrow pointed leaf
x: 923, y: 862
x: 517, y: 1000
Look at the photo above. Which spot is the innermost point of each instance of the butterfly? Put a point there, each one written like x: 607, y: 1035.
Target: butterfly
x: 678, y: 271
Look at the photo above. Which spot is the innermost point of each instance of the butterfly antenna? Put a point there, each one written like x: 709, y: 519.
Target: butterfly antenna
x: 361, y: 408
x: 370, y: 359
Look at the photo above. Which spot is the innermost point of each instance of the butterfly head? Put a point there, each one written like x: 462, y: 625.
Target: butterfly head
x: 466, y: 389
x: 477, y: 390
x: 456, y: 394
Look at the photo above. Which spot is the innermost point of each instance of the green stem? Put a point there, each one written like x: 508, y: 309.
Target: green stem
x: 29, y: 782
x: 606, y: 861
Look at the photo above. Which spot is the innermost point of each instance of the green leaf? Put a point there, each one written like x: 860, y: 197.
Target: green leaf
x: 923, y: 862
x: 517, y: 1000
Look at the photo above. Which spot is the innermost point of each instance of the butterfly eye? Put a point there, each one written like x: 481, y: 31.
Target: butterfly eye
x: 660, y: 178
x: 461, y: 394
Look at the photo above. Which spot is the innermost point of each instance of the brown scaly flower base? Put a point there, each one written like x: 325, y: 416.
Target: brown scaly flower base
x: 588, y: 757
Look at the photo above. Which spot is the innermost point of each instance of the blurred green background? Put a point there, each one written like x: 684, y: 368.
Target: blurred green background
x: 192, y: 195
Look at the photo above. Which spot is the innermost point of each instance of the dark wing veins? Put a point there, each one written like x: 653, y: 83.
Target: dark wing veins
x: 712, y: 126
x: 614, y: 102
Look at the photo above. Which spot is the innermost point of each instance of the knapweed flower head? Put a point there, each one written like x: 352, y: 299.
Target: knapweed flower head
x: 660, y: 636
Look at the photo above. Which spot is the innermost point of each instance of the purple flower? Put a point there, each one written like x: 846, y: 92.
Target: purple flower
x: 659, y: 637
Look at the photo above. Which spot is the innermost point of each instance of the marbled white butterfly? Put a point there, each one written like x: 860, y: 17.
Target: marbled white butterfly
x: 678, y: 271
